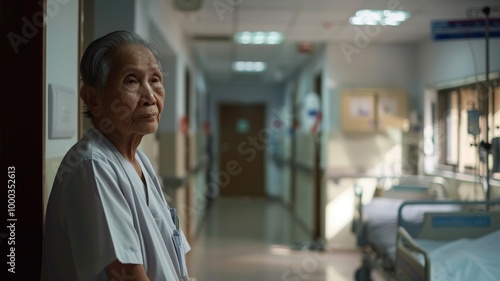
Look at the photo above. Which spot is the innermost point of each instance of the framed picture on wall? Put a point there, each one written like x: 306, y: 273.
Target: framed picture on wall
x: 358, y: 111
x: 391, y: 109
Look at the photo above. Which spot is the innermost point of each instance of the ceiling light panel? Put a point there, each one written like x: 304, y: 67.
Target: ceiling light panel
x: 379, y: 17
x: 249, y: 66
x: 259, y: 38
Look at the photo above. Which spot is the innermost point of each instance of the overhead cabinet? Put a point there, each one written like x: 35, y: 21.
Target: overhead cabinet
x: 372, y: 110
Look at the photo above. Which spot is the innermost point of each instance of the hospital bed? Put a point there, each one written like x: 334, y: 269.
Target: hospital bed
x: 457, y: 245
x: 375, y: 223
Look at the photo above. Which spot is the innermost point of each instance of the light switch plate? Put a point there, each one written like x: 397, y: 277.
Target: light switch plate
x: 62, y: 107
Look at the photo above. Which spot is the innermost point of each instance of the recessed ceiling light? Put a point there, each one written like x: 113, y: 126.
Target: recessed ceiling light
x: 246, y: 38
x: 249, y: 66
x: 259, y: 37
x: 379, y: 17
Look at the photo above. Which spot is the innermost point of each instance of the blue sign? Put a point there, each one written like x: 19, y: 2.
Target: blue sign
x: 464, y: 29
x: 465, y: 221
x: 312, y: 113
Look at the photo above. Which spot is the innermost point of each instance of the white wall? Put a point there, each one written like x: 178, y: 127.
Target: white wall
x: 442, y: 61
x: 170, y: 113
x: 61, y: 69
x: 376, y: 66
x: 112, y: 15
x: 389, y: 66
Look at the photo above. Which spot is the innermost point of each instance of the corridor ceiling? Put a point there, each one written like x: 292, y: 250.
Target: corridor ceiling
x: 210, y: 30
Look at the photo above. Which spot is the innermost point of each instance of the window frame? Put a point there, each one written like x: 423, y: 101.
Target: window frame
x: 446, y: 105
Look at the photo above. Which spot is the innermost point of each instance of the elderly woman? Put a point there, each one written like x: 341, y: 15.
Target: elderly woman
x: 107, y: 218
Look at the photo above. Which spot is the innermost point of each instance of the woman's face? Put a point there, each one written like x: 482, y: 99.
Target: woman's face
x: 134, y: 94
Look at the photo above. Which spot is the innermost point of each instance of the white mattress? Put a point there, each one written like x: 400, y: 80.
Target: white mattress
x: 465, y: 259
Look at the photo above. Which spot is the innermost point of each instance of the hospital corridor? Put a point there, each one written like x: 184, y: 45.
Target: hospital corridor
x: 257, y: 239
x: 250, y: 140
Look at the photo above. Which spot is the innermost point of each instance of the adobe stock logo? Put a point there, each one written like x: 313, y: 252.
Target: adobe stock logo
x: 32, y: 26
x: 364, y: 36
x: 223, y: 6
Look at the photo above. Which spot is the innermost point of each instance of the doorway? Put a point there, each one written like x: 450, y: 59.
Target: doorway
x: 187, y: 156
x: 318, y: 170
x: 242, y: 145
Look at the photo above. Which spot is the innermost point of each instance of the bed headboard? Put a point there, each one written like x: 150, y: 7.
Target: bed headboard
x: 450, y: 220
x: 417, y: 188
x: 465, y: 224
x: 407, y: 193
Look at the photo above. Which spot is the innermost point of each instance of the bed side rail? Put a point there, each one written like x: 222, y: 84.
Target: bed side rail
x: 408, y: 266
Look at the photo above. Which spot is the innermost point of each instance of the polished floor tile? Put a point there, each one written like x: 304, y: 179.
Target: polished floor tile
x: 258, y: 240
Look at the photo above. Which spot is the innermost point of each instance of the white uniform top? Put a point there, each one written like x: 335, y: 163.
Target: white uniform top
x: 99, y: 210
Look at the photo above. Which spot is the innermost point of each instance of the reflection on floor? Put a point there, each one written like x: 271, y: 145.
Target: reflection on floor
x: 253, y: 240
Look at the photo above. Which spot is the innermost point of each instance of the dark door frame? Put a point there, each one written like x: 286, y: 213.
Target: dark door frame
x: 22, y: 142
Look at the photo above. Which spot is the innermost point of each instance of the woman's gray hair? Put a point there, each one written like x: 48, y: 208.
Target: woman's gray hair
x: 95, y: 64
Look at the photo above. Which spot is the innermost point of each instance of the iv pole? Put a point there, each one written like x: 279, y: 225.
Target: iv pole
x: 485, y: 144
x: 486, y: 12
